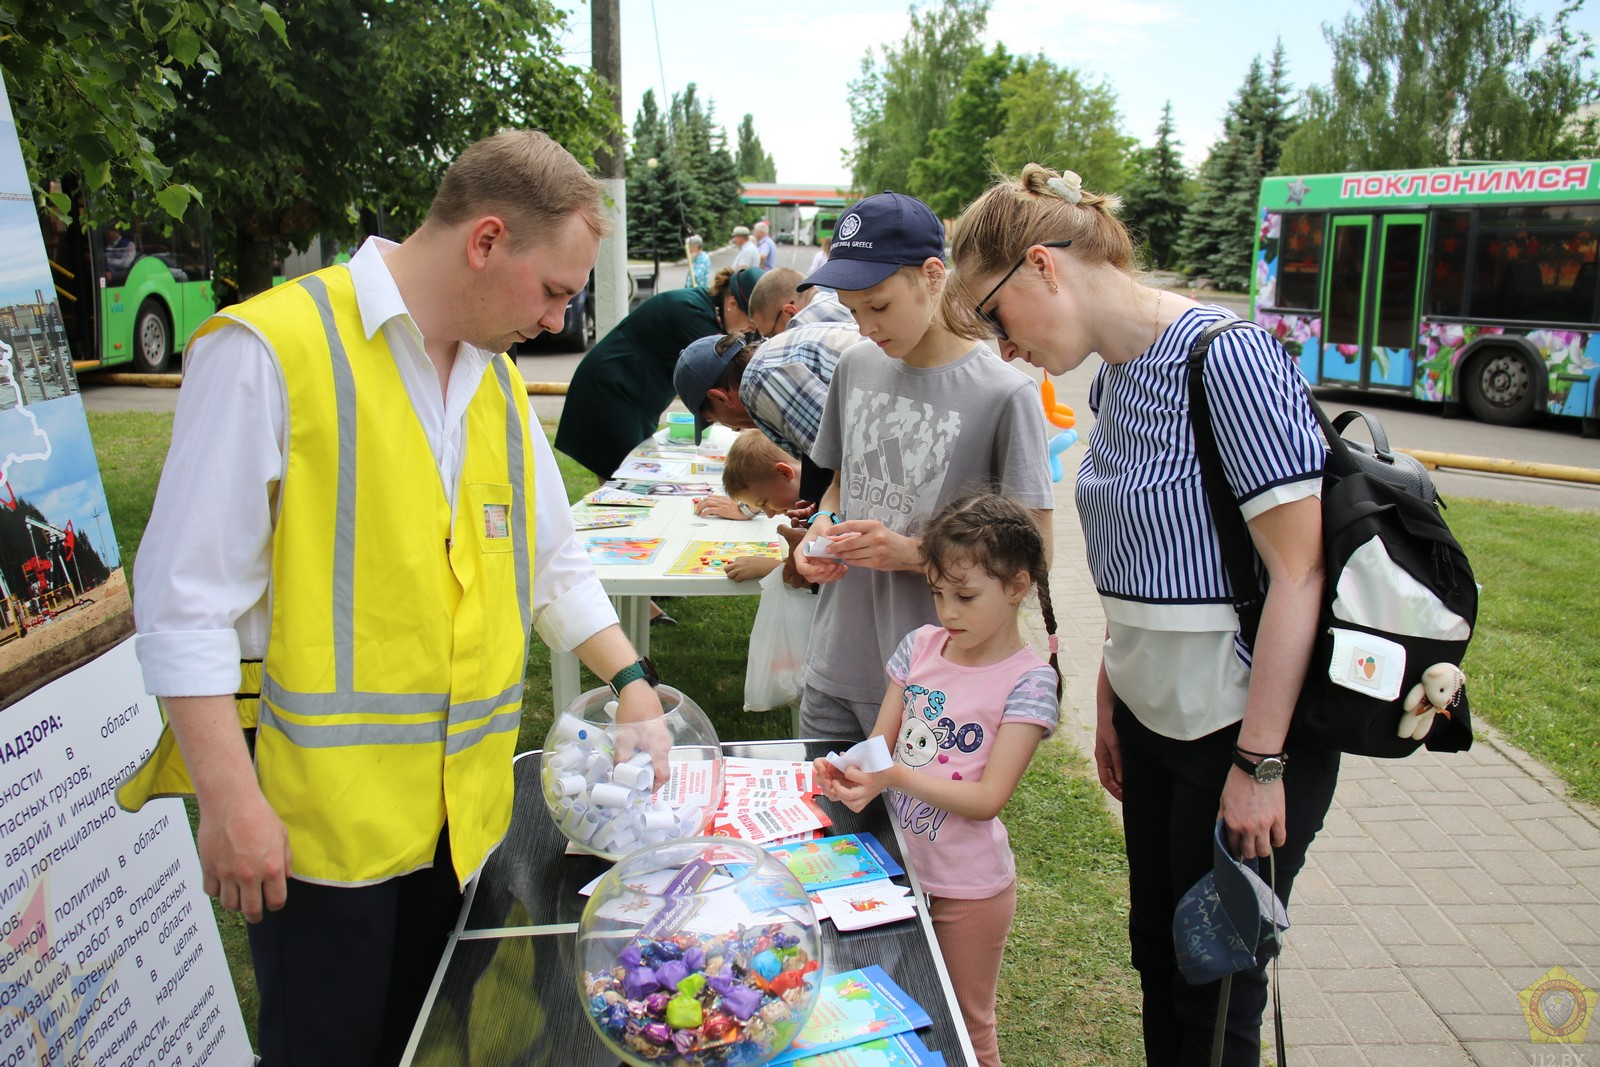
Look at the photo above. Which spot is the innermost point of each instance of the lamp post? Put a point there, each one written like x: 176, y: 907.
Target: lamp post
x: 655, y: 232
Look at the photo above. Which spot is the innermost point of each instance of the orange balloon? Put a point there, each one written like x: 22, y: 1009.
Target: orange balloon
x: 1057, y: 414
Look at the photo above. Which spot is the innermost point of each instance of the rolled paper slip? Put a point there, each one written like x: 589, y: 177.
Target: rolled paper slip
x: 611, y: 795
x: 660, y: 821
x: 567, y: 758
x: 632, y: 776
x: 570, y: 785
x: 871, y: 755
x: 570, y: 728
x: 598, y: 768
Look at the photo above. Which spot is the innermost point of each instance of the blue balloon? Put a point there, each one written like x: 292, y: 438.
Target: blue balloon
x: 1059, y: 444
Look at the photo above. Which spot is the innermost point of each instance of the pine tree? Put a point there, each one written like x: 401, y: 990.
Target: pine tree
x: 1157, y: 196
x: 755, y: 165
x: 1219, y: 229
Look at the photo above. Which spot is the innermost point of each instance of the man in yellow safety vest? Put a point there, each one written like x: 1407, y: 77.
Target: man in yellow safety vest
x: 359, y: 524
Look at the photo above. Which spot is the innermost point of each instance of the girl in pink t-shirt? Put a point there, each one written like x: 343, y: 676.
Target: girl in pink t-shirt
x: 968, y: 702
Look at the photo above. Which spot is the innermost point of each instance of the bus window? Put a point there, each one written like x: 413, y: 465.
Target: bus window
x: 1345, y: 286
x: 1397, y: 300
x: 1530, y: 263
x: 1447, y: 288
x: 1300, y: 265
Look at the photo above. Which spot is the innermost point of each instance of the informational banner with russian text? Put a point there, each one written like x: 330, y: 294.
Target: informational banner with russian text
x: 109, y: 954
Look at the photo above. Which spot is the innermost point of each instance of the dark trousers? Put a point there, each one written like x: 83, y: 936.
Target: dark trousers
x: 1171, y: 791
x: 343, y: 971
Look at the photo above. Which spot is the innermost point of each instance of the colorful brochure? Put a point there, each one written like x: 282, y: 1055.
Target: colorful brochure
x: 901, y: 1050
x: 616, y: 498
x: 858, y: 906
x: 833, y: 861
x: 602, y: 518
x: 712, y: 557
x: 853, y: 1008
x: 623, y: 551
x: 664, y: 488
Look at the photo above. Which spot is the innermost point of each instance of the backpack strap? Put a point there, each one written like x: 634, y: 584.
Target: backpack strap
x: 1238, y: 552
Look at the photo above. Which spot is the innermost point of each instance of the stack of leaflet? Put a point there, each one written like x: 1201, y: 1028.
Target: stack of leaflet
x: 862, y: 1019
x: 848, y: 880
x: 768, y: 801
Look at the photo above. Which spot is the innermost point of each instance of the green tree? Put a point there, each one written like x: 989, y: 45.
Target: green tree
x: 755, y: 164
x: 905, y: 94
x: 1219, y: 229
x: 1157, y: 194
x: 955, y: 170
x: 363, y: 109
x: 90, y: 82
x: 1055, y: 117
x: 1422, y: 83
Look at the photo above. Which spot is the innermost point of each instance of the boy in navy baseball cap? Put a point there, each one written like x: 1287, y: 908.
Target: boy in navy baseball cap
x: 877, y: 237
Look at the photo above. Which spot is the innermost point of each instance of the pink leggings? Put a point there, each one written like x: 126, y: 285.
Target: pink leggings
x: 972, y: 938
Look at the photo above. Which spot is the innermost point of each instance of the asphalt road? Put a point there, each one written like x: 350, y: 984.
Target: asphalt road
x: 1409, y: 424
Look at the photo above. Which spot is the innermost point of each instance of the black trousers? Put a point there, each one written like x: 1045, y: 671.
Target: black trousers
x: 1171, y: 791
x: 343, y: 971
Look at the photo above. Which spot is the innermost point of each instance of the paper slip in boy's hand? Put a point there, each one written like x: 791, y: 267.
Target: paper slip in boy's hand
x: 871, y: 755
x: 818, y: 545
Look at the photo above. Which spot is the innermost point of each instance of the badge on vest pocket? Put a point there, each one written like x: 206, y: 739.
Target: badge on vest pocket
x: 491, y: 511
x: 1368, y: 664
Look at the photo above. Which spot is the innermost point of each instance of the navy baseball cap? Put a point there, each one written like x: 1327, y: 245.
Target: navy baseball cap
x: 699, y: 367
x: 877, y: 237
x: 1229, y: 921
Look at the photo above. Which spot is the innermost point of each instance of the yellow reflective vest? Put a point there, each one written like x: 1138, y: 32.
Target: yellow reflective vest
x: 391, y: 691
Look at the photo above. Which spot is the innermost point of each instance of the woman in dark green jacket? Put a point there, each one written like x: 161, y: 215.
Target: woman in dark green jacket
x: 623, y: 385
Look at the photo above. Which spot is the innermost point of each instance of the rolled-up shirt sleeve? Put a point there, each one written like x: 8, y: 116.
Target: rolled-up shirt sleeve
x: 205, y: 557
x: 569, y: 604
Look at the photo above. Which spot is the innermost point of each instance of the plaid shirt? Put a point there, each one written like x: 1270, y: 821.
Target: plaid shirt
x: 785, y: 387
x: 824, y: 307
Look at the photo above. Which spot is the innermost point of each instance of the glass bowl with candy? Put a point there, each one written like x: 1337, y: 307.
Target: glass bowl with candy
x: 702, y: 951
x: 614, y: 787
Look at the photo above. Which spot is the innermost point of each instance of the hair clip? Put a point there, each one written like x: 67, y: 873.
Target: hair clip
x: 1068, y: 187
x: 1054, y: 644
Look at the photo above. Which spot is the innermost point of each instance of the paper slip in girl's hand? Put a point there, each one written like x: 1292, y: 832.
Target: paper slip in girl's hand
x: 871, y: 755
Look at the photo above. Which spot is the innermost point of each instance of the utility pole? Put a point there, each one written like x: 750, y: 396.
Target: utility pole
x: 611, y: 271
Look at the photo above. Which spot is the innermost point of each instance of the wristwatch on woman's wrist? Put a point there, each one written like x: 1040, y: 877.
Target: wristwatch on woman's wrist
x: 1263, y: 768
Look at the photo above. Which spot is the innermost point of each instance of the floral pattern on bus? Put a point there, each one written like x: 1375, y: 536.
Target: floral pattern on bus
x: 1567, y: 354
x: 1300, y: 335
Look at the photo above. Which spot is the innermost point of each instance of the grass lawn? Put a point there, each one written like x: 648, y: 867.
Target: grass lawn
x: 1068, y: 994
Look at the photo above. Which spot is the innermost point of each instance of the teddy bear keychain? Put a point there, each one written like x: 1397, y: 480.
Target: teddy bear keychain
x: 1433, y: 695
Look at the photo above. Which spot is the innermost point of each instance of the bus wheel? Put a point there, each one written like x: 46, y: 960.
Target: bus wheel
x: 1498, y: 388
x: 152, y: 338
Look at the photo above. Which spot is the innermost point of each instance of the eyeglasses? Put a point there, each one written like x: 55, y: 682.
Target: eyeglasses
x: 992, y: 318
x: 775, y: 320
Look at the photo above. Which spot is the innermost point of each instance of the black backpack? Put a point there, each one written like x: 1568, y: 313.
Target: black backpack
x: 1409, y: 601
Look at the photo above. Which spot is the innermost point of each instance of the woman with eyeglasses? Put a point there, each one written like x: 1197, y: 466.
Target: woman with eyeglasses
x: 1191, y: 725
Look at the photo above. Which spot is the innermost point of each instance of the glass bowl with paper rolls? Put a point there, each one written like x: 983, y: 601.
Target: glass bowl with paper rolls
x: 613, y: 787
x: 702, y: 951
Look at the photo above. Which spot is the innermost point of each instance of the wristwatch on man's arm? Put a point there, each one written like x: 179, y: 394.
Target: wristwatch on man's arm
x: 639, y: 668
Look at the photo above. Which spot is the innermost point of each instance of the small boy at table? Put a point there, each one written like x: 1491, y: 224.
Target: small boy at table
x: 763, y: 479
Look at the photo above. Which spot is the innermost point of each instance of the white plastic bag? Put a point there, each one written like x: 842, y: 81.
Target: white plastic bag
x: 776, y: 671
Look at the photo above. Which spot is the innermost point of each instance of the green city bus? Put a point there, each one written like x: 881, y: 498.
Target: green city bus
x: 1470, y: 286
x: 131, y: 293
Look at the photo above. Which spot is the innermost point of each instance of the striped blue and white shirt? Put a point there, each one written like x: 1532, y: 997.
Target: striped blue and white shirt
x: 1172, y: 654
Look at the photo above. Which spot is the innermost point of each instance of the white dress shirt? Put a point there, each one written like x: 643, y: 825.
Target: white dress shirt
x: 206, y: 558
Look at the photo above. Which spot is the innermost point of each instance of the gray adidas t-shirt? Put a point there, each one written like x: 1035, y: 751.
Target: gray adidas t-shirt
x: 906, y: 441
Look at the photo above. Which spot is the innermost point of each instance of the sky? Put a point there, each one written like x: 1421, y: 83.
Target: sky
x: 790, y: 64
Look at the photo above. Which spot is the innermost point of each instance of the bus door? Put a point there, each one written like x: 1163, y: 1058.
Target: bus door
x: 1369, y: 334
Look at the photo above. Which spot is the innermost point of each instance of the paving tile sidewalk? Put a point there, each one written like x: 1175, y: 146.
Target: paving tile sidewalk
x: 1440, y: 887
